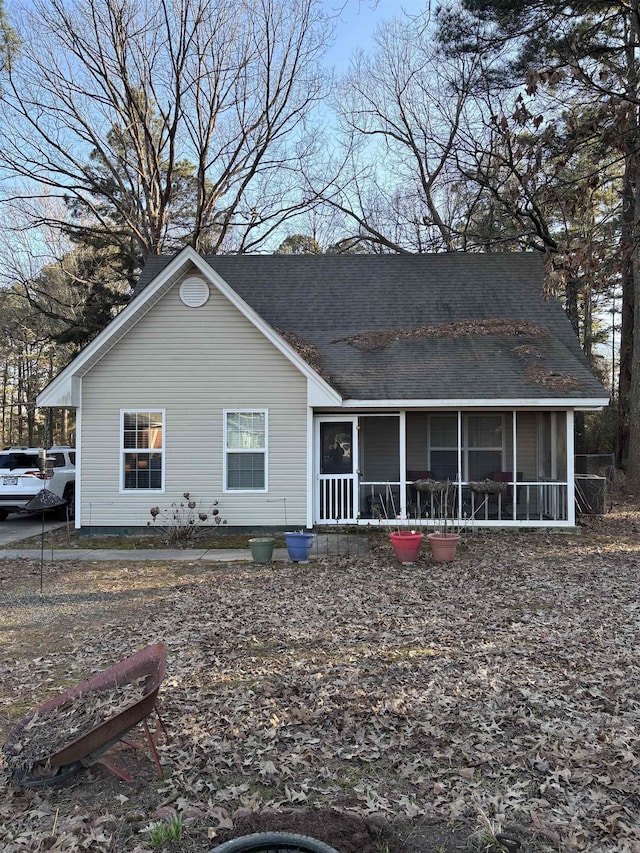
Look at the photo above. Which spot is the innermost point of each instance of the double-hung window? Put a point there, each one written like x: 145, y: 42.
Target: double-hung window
x: 142, y: 450
x: 245, y: 450
x: 481, y: 447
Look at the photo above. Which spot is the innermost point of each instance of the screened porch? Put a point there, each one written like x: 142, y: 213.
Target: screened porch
x: 509, y: 468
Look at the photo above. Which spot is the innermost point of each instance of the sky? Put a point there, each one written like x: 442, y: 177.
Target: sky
x: 356, y: 23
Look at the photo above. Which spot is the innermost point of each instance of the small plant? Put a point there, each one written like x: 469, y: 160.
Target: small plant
x: 489, y: 837
x: 167, y: 832
x: 443, y: 496
x: 395, y: 522
x: 185, y: 520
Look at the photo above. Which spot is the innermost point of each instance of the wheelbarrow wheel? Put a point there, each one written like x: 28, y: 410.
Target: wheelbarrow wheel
x: 274, y: 842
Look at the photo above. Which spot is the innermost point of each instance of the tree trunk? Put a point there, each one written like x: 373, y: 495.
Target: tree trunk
x: 632, y: 162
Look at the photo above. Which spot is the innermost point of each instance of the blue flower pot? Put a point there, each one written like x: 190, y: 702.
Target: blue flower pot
x: 299, y: 546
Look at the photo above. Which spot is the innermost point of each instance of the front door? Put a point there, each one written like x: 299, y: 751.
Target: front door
x: 336, y: 441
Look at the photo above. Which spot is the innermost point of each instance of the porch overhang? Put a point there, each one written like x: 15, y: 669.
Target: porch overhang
x: 577, y: 404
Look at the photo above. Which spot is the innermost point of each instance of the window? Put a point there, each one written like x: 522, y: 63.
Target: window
x: 142, y: 450
x: 443, y: 446
x: 245, y: 436
x: 482, y: 446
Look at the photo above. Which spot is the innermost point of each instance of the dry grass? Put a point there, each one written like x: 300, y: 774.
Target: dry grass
x: 499, y: 690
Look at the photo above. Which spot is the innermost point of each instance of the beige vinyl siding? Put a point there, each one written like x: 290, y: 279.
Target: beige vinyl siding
x: 194, y: 363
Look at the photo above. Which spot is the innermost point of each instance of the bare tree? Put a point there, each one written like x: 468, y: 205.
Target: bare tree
x: 166, y: 122
x: 587, y: 51
x: 402, y: 107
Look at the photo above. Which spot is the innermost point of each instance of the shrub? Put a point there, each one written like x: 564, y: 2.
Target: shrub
x: 184, y: 521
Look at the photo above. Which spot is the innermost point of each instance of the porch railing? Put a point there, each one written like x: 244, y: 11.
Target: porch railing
x: 535, y: 500
x: 337, y: 499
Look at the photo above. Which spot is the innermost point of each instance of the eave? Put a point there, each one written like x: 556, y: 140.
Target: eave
x: 577, y: 403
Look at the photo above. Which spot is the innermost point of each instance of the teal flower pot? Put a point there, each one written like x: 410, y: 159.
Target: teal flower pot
x: 262, y: 549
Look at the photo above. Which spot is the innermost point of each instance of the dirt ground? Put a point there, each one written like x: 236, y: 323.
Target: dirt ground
x: 374, y: 706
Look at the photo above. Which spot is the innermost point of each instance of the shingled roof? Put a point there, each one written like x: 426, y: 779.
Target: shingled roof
x: 388, y: 327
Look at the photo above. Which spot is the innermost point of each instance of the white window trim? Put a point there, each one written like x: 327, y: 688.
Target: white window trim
x: 226, y: 450
x: 123, y: 450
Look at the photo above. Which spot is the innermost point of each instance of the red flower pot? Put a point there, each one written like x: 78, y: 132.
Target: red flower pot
x: 406, y: 545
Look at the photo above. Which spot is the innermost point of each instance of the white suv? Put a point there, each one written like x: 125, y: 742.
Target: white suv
x: 21, y: 478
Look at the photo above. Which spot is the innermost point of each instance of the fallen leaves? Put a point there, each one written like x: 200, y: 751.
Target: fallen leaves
x: 502, y: 685
x: 37, y: 739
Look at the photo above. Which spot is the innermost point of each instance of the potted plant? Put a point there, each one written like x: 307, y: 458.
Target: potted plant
x: 444, y: 542
x: 299, y: 545
x: 405, y: 543
x: 262, y: 549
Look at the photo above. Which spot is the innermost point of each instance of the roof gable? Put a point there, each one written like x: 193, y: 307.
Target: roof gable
x: 65, y: 388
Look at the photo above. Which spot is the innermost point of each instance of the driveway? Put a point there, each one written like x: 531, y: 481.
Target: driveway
x: 20, y: 526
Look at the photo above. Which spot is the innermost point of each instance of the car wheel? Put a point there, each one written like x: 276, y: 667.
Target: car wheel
x: 68, y: 509
x: 3, y: 514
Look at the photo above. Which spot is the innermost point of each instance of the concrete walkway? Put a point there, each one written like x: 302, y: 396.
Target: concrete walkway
x: 224, y: 555
x: 323, y: 544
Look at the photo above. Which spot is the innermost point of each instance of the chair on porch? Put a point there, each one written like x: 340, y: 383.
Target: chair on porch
x: 506, y: 477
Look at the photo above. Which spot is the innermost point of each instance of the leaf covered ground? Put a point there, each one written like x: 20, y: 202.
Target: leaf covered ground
x: 498, y: 692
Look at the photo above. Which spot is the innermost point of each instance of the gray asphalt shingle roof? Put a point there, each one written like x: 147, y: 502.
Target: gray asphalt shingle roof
x: 322, y: 299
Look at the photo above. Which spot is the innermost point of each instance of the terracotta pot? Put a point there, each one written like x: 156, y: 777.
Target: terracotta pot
x: 443, y: 546
x: 406, y: 545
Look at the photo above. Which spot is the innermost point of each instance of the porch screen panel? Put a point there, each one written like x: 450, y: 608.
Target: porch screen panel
x: 379, y: 443
x: 443, y: 446
x: 484, y: 438
x: 561, y: 444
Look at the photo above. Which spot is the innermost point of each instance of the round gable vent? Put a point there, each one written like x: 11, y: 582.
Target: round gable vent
x: 194, y: 291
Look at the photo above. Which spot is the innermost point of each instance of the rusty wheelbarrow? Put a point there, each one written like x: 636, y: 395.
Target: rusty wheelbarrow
x: 118, y: 698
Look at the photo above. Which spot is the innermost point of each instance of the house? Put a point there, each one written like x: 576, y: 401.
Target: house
x: 320, y: 389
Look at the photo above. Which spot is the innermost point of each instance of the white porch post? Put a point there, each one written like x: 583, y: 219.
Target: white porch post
x: 514, y: 507
x: 311, y: 480
x: 79, y: 410
x: 571, y: 497
x: 402, y: 436
x: 459, y: 463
